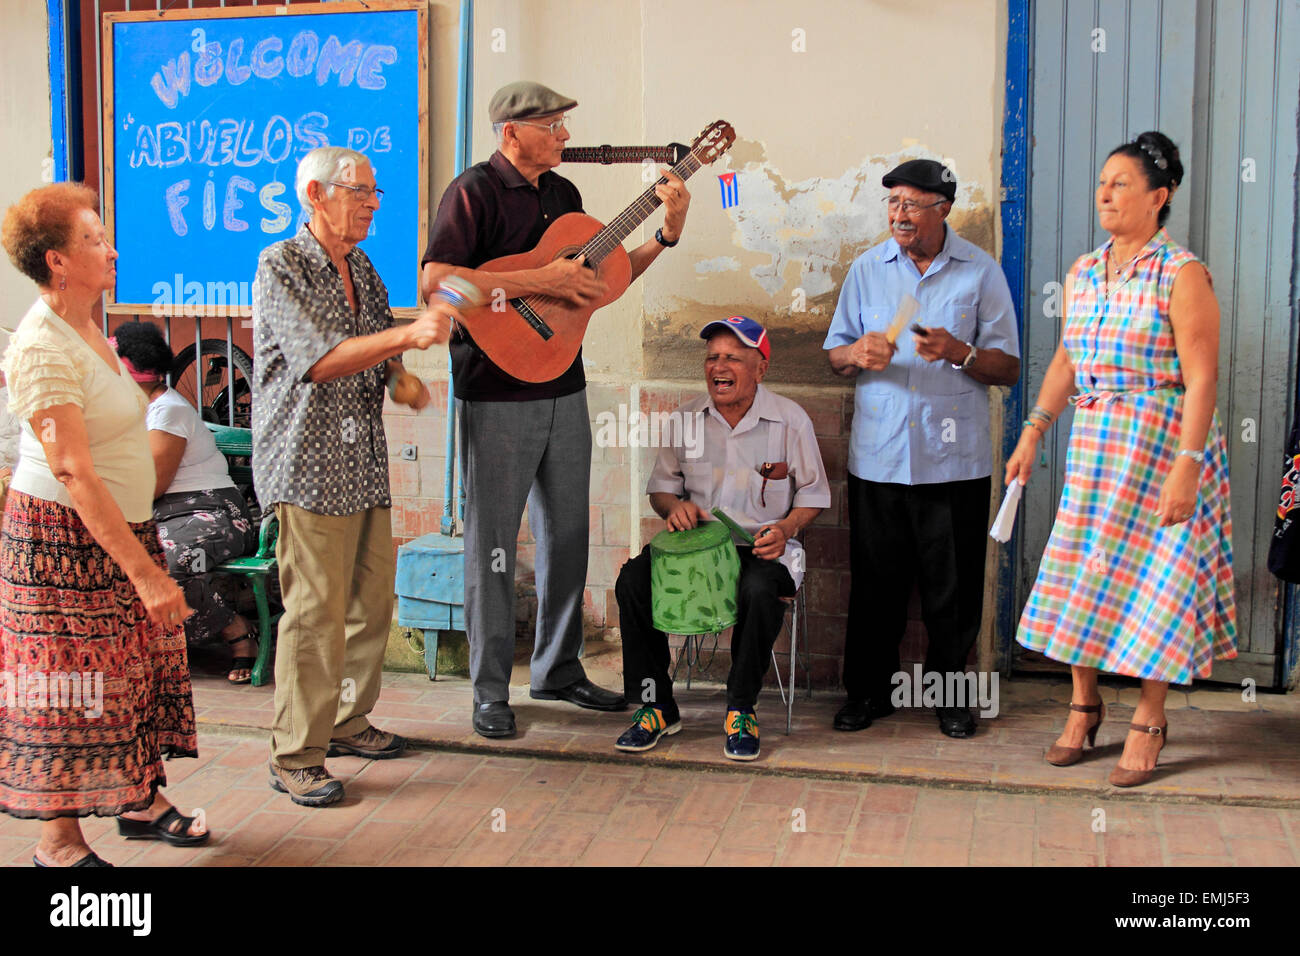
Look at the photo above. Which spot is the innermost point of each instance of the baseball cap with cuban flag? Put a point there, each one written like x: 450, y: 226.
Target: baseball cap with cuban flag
x: 745, y: 329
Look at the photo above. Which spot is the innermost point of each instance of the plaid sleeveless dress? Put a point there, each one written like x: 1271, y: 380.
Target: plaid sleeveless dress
x: 1115, y: 591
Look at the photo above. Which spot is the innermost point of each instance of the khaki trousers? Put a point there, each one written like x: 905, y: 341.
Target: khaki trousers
x: 336, y: 579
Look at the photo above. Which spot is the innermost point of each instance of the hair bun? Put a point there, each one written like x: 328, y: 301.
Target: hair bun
x: 1163, y: 154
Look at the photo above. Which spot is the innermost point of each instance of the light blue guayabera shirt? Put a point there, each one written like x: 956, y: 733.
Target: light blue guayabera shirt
x: 919, y: 422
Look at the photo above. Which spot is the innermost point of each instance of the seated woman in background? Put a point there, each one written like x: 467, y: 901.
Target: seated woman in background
x: 202, y: 517
x: 10, y: 429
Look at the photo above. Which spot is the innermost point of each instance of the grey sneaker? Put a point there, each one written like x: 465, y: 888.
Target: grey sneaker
x: 308, y: 786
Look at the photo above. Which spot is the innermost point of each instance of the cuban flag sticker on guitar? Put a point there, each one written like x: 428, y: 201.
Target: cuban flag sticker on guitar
x: 730, y: 190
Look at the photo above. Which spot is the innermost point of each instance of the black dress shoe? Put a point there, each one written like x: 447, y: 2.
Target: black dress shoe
x: 881, y: 707
x: 494, y: 719
x: 585, y: 694
x: 956, y: 721
x: 858, y: 714
x: 854, y: 715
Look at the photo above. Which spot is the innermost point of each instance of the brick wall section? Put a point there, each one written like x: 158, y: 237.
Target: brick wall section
x: 617, y: 498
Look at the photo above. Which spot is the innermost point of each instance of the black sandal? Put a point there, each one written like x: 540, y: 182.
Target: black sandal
x: 242, y: 663
x: 90, y: 859
x: 160, y: 829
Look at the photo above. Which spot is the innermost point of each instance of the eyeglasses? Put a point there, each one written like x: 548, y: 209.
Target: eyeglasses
x: 361, y: 192
x: 553, y: 127
x: 910, y: 206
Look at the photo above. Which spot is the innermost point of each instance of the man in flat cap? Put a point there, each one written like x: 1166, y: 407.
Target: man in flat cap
x: 756, y: 458
x: 920, y: 453
x: 525, y: 442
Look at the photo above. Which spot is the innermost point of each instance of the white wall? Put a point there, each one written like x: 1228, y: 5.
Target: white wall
x: 24, y: 128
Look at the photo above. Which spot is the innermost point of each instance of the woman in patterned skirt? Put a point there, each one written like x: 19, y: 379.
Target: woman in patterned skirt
x: 94, y: 682
x: 1136, y: 578
x: 202, y: 517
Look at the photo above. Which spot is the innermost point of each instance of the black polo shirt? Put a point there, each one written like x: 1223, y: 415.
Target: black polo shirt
x: 489, y: 211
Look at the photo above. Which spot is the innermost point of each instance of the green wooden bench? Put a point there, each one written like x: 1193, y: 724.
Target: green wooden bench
x: 237, y: 443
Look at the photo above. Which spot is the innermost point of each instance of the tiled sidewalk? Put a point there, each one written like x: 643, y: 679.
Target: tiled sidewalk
x: 1228, y: 790
x: 431, y: 808
x: 1220, y: 749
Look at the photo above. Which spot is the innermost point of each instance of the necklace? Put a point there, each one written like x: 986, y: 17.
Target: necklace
x: 1118, y: 270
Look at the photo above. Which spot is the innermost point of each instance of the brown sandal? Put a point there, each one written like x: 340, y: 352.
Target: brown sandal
x: 1135, y: 778
x: 1059, y: 756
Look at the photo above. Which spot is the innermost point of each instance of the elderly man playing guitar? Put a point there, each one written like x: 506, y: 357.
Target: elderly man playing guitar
x: 526, y: 441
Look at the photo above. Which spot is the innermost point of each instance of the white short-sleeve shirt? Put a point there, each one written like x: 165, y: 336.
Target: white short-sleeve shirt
x: 202, y: 467
x: 717, y: 466
x: 47, y: 364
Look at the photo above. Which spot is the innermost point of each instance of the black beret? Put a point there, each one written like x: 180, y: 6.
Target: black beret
x: 923, y: 174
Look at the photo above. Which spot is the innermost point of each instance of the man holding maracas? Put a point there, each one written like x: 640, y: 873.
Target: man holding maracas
x: 324, y: 345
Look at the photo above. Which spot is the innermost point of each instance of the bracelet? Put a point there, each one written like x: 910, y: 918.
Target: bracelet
x: 1042, y: 414
x: 1032, y: 424
x: 1196, y: 456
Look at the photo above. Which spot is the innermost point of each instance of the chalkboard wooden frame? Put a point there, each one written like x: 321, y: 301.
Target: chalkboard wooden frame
x: 107, y: 149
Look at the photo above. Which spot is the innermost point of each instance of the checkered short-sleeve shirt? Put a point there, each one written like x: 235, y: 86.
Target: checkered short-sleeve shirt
x: 317, y: 445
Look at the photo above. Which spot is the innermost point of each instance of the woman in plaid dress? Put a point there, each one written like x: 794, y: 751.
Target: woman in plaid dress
x: 1136, y: 578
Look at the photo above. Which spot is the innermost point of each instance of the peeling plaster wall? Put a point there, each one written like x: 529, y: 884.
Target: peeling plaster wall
x: 816, y: 131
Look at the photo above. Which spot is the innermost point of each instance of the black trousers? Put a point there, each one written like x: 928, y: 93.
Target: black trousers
x: 759, y: 613
x: 934, y: 535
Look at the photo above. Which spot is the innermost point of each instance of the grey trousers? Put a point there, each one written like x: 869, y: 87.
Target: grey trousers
x: 512, y: 453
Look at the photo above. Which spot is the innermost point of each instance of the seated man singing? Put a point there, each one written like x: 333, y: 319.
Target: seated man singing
x: 755, y: 457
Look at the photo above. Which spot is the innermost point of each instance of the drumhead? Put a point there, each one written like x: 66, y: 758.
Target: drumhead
x: 702, y: 537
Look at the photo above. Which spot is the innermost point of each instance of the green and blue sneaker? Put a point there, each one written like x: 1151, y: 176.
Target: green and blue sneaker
x: 741, y: 728
x: 647, y: 727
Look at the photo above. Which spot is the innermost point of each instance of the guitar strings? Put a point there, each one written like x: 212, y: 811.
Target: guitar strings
x: 689, y: 165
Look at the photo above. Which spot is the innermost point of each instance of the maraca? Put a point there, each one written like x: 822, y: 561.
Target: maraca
x: 405, y: 388
x: 460, y: 292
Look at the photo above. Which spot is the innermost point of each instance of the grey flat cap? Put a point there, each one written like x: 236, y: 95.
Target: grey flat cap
x: 524, y: 99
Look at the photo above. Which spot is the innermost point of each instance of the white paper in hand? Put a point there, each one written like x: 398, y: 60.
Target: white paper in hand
x: 1006, y: 519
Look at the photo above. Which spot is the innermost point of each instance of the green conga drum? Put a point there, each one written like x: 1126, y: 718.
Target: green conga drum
x: 694, y: 575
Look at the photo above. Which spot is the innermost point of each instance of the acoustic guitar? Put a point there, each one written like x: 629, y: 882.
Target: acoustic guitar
x: 536, y: 337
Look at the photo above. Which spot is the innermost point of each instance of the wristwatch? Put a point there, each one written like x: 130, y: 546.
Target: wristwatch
x: 659, y: 238
x: 969, y: 361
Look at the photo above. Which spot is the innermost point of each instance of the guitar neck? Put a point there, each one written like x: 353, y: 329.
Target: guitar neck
x: 604, y: 242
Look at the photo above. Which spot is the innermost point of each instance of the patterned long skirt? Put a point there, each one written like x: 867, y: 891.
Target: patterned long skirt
x: 92, y: 692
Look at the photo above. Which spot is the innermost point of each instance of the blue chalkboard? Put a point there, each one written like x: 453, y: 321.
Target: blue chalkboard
x: 209, y: 117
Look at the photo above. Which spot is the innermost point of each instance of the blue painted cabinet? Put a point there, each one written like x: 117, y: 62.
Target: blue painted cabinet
x: 431, y: 590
